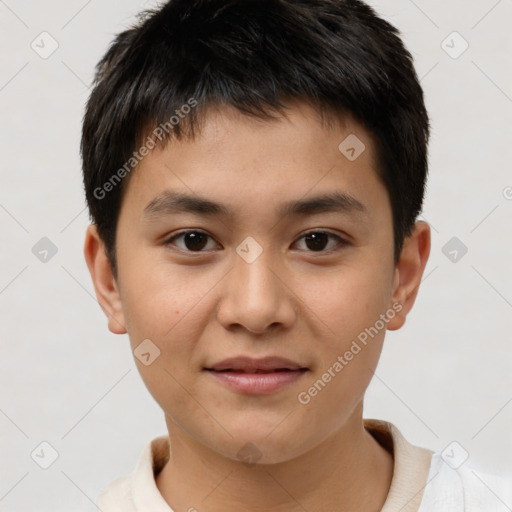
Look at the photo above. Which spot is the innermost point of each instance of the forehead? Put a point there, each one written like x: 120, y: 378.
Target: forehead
x: 236, y: 160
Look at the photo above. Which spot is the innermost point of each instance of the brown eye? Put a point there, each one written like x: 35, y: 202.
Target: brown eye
x: 195, y: 241
x: 317, y: 241
x: 192, y: 240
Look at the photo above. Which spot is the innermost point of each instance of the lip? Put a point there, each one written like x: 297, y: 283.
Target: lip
x: 256, y: 376
x: 251, y: 365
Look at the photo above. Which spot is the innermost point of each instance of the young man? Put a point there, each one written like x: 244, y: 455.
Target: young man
x: 254, y: 171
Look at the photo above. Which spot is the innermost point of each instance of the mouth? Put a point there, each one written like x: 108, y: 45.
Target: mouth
x: 257, y: 370
x: 256, y: 376
x: 252, y: 365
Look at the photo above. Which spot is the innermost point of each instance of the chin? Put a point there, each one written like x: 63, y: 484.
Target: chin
x: 268, y: 447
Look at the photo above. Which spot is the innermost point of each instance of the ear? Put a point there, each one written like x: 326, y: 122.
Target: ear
x: 103, y: 279
x: 408, y: 272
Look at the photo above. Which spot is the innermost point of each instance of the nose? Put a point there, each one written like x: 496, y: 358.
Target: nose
x: 257, y: 297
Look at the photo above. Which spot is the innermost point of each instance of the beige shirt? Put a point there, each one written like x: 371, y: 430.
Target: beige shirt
x: 423, y: 481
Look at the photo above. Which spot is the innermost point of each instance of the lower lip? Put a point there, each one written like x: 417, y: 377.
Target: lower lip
x: 258, y: 383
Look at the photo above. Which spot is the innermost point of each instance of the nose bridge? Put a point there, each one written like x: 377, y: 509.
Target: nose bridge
x: 254, y: 277
x: 255, y: 296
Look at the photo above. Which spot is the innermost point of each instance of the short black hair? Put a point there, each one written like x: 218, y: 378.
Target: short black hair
x: 257, y: 56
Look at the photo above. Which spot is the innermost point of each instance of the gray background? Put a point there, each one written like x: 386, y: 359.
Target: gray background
x: 66, y: 380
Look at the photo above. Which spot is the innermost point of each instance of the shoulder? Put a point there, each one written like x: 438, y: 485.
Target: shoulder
x: 117, y: 496
x: 465, y: 488
x: 138, y: 490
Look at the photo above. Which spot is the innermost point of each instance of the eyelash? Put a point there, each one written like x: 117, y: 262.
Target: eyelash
x: 339, y: 246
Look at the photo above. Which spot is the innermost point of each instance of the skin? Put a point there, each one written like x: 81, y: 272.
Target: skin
x: 292, y: 301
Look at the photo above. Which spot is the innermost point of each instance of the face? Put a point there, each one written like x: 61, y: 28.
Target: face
x: 290, y: 257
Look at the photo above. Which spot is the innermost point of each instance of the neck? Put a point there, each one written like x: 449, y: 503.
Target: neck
x: 347, y: 471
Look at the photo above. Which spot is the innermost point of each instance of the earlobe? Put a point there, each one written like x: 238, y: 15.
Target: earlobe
x: 105, y: 285
x: 409, y: 271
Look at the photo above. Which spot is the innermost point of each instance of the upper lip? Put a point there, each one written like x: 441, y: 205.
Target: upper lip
x: 249, y: 364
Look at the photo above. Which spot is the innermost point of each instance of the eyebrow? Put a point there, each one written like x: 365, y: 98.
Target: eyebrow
x: 175, y: 202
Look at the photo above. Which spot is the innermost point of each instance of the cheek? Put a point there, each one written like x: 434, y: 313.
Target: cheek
x: 349, y: 300
x: 348, y: 358
x: 350, y: 308
x: 159, y: 301
x: 170, y: 309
